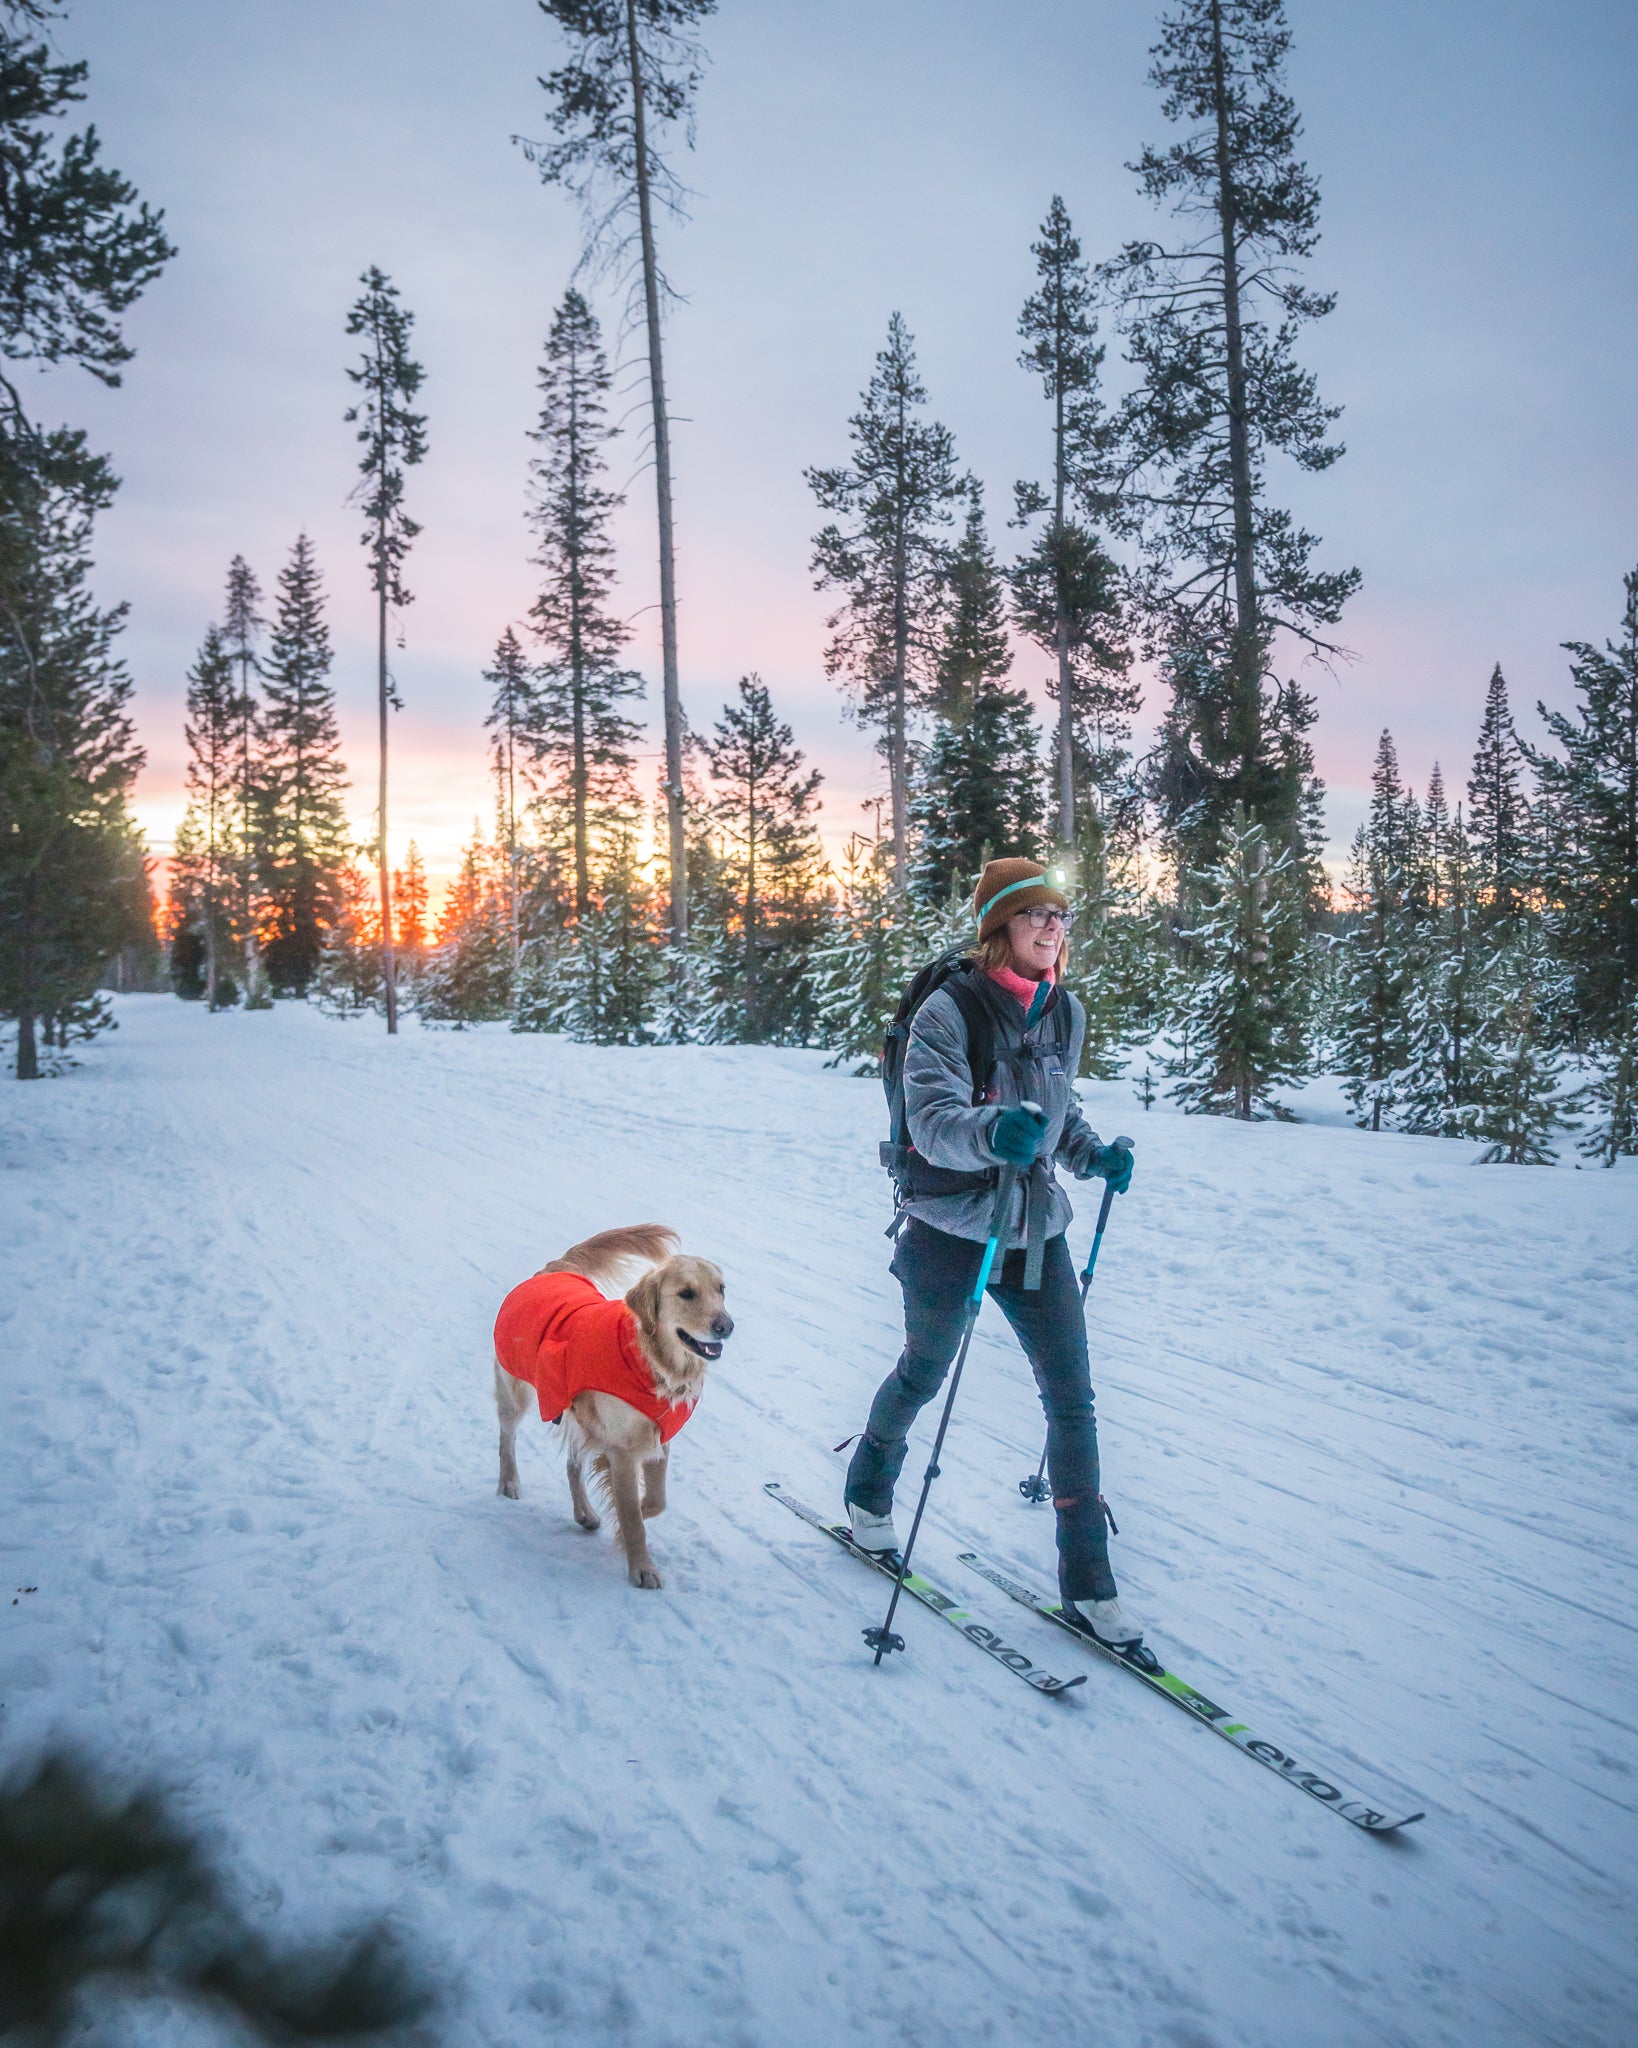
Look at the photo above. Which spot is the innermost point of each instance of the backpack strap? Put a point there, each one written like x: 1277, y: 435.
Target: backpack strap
x: 980, y: 1023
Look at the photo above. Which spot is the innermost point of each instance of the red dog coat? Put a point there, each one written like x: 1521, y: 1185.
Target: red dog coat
x: 565, y: 1338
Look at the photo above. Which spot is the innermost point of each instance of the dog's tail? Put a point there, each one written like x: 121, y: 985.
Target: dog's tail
x: 615, y: 1257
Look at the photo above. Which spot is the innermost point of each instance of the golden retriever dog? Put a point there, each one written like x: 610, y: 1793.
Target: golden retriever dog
x: 619, y: 1375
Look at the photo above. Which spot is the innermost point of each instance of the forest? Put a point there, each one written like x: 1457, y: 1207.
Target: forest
x: 1471, y: 972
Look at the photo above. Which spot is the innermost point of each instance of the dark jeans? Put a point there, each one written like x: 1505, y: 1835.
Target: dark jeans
x: 936, y: 1272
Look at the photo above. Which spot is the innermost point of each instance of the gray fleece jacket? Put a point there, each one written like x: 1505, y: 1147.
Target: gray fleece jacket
x: 948, y: 1131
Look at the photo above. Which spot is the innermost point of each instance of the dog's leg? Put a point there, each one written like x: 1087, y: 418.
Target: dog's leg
x: 628, y: 1514
x: 584, y: 1513
x: 511, y: 1405
x: 654, y: 1484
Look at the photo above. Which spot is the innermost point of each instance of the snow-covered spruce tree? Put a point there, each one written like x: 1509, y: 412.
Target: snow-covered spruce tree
x: 1498, y: 818
x: 409, y: 909
x: 1518, y: 1107
x: 212, y: 731
x: 1590, y: 791
x: 1446, y: 1058
x: 686, y: 1007
x: 394, y: 438
x: 855, y: 968
x: 468, y: 975
x: 976, y: 784
x: 242, y: 628
x: 1209, y: 321
x: 583, y: 738
x: 1378, y: 951
x: 349, y: 978
x: 513, y: 714
x: 71, y: 866
x: 610, y: 981
x: 1067, y: 589
x: 1242, y: 1021
x: 634, y: 67
x: 303, y: 844
x: 875, y: 941
x: 886, y: 553
x: 1609, y: 1100
x: 765, y: 800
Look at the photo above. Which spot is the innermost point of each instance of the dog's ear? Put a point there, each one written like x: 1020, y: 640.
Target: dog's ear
x: 644, y: 1301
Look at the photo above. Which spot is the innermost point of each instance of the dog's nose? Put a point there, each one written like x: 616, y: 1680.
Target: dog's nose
x: 722, y: 1325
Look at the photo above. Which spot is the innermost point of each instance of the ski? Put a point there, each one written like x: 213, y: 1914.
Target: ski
x: 933, y: 1597
x: 1363, y: 1813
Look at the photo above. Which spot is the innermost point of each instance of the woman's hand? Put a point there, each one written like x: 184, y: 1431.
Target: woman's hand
x: 1016, y: 1134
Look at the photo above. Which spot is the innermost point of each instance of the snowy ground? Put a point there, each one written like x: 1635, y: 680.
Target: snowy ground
x: 1369, y: 1416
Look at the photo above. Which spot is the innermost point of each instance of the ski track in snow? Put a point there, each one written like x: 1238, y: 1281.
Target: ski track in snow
x: 1369, y: 1417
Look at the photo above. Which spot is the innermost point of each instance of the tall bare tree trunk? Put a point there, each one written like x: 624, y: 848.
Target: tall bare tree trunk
x: 210, y: 890
x: 675, y: 822
x: 389, y: 964
x: 1066, y: 721
x: 1246, y: 656
x: 28, y: 1059
x: 898, y: 737
x: 247, y: 908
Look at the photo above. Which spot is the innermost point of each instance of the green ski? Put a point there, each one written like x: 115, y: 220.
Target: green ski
x: 1364, y: 1813
x: 934, y: 1598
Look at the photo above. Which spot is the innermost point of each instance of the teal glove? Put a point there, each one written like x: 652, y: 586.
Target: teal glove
x: 1113, y: 1163
x: 1016, y: 1134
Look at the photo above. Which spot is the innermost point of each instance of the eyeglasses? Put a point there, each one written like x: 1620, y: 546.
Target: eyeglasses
x: 1046, y: 914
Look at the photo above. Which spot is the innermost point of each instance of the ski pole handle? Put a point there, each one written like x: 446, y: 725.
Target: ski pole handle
x: 1103, y: 1223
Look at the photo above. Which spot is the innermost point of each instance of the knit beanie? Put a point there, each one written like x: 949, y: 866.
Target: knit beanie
x: 1009, y: 886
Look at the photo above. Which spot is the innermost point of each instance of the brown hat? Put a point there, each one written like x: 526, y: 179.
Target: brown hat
x: 1009, y: 886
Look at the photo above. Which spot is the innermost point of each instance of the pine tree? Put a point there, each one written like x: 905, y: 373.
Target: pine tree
x: 1210, y: 324
x: 976, y: 785
x: 304, y: 847
x: 1610, y: 1098
x: 1518, y: 1108
x: 1497, y: 815
x: 394, y: 438
x: 765, y: 802
x: 348, y: 980
x: 634, y: 68
x: 71, y: 861
x: 513, y: 712
x: 242, y: 628
x: 1446, y: 1060
x: 1436, y: 828
x: 582, y: 735
x: 409, y: 903
x: 887, y: 556
x: 612, y: 976
x: 1377, y: 962
x: 1067, y: 588
x: 77, y: 248
x: 1242, y: 1017
x: 1591, y: 790
x: 212, y: 732
x: 468, y: 975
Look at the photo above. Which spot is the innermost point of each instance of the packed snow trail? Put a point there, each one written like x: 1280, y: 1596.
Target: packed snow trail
x: 1368, y: 1415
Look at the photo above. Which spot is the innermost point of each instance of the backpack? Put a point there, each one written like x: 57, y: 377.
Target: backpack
x: 912, y: 1175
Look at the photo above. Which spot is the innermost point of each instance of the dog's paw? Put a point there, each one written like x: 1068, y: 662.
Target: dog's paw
x: 646, y: 1576
x: 651, y: 1508
x: 508, y: 1490
x: 589, y: 1519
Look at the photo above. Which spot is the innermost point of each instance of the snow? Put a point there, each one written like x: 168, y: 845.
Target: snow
x: 1369, y: 1415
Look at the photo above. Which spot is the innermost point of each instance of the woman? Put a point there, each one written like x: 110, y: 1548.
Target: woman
x: 1014, y: 971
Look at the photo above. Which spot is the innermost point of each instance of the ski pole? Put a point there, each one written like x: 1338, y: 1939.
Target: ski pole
x: 882, y: 1639
x: 1036, y: 1487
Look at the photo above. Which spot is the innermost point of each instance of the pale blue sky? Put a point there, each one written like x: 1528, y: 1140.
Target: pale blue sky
x: 1477, y: 166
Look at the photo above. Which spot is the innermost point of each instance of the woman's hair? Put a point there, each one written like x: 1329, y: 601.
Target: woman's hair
x: 996, y: 951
